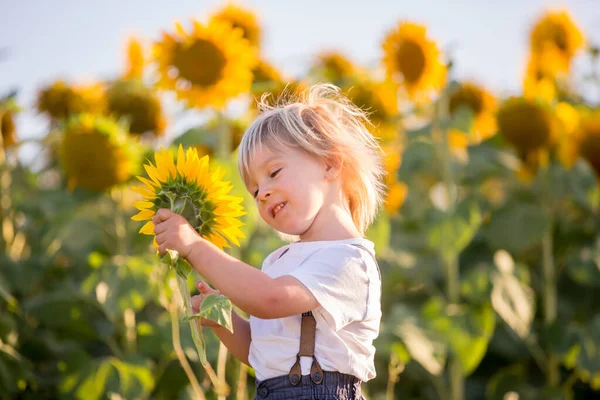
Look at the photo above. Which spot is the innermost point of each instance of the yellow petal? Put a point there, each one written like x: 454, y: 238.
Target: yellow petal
x: 143, y: 215
x: 144, y: 191
x: 148, y: 228
x: 180, y: 161
x: 155, y: 174
x: 167, y: 159
x: 147, y: 182
x: 141, y: 205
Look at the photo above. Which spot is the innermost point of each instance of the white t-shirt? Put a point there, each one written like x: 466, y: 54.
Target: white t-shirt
x: 345, y: 281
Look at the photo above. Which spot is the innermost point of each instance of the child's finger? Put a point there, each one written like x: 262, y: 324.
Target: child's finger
x: 196, y: 302
x: 204, y: 288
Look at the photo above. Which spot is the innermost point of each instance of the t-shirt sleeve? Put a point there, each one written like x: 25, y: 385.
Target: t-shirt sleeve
x: 338, y: 278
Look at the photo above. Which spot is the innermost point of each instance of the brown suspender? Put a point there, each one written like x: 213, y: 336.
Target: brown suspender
x: 307, y: 349
x: 307, y: 342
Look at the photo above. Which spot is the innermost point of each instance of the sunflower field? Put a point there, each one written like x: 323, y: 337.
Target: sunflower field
x: 488, y: 243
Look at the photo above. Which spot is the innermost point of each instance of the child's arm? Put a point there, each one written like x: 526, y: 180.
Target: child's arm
x: 250, y: 289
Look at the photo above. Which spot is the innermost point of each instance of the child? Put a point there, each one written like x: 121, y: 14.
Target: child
x: 316, y: 173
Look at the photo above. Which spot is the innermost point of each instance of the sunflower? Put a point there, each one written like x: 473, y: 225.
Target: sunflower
x: 378, y: 99
x: 334, y: 66
x: 241, y: 18
x: 481, y: 103
x: 7, y: 126
x: 97, y: 153
x: 61, y: 100
x: 539, y: 82
x: 264, y: 72
x: 526, y: 124
x: 189, y: 188
x: 413, y: 60
x: 134, y: 68
x: 556, y: 32
x: 568, y: 146
x: 279, y: 92
x: 139, y: 104
x: 206, y: 67
x: 588, y: 134
x: 396, y: 191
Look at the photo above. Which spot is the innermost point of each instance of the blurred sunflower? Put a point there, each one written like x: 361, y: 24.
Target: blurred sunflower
x: 209, y: 144
x: 264, y: 72
x: 280, y: 92
x: 413, y: 60
x: 7, y: 125
x: 334, y: 67
x: 134, y: 68
x: 539, y: 82
x: 556, y: 34
x: 61, y: 100
x: 97, y: 153
x: 396, y: 191
x: 526, y: 124
x: 588, y: 135
x: 206, y: 67
x: 379, y: 101
x: 139, y: 104
x: 568, y: 146
x: 241, y: 18
x: 483, y: 106
x: 189, y: 188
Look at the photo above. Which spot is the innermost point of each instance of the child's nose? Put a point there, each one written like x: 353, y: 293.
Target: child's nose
x: 264, y: 194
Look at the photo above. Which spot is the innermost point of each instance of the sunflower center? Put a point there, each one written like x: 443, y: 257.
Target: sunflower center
x: 200, y: 63
x: 190, y: 202
x: 559, y: 37
x: 590, y: 145
x: 467, y: 96
x: 525, y: 125
x: 410, y: 59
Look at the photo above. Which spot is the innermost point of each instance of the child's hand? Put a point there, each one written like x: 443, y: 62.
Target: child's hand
x: 173, y: 232
x: 204, y: 290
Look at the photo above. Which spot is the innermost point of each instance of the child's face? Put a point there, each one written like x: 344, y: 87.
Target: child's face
x: 290, y: 188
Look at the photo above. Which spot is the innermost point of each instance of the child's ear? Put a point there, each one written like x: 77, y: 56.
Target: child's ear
x: 333, y: 169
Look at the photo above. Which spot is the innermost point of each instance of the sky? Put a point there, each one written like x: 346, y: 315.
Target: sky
x: 83, y: 41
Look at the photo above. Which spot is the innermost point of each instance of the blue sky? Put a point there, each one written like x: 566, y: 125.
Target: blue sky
x: 83, y: 40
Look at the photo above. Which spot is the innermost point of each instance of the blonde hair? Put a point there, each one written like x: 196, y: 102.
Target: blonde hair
x: 326, y: 125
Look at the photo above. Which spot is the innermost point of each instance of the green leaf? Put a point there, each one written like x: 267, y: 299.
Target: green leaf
x: 182, y: 267
x: 401, y: 352
x: 450, y: 234
x: 514, y: 301
x: 424, y: 345
x: 216, y: 308
x: 197, y: 135
x: 588, y: 360
x: 466, y: 330
x: 516, y: 227
x: 379, y: 233
x: 462, y: 119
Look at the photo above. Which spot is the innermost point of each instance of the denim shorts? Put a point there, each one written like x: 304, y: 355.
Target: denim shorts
x: 335, y: 386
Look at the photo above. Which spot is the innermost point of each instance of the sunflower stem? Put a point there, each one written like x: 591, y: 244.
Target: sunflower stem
x: 242, y: 382
x: 549, y: 292
x: 199, y: 394
x: 449, y: 257
x: 221, y: 369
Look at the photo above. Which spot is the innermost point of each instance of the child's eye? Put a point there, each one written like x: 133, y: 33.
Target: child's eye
x: 274, y: 174
x: 255, y: 193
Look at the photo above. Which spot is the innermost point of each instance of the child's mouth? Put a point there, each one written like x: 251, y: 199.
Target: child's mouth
x: 278, y: 208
